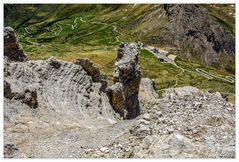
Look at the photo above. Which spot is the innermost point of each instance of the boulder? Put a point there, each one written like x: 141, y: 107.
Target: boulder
x: 168, y: 146
x: 181, y: 92
x: 147, y: 90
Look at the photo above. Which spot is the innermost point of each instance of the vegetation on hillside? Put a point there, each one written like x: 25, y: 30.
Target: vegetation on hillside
x: 88, y: 31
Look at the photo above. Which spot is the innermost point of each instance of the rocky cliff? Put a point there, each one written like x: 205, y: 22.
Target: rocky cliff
x: 126, y: 77
x: 93, y: 71
x: 12, y: 49
x: 191, y: 29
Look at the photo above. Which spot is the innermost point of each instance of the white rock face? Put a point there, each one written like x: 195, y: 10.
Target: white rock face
x: 47, y: 97
x: 147, y: 90
x: 180, y: 92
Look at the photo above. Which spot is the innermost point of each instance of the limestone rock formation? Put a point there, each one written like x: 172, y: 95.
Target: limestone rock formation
x: 172, y: 145
x: 117, y: 98
x: 12, y: 48
x: 93, y: 71
x: 43, y: 97
x: 127, y: 73
x: 180, y: 92
x: 57, y: 85
x: 147, y: 90
x: 186, y: 123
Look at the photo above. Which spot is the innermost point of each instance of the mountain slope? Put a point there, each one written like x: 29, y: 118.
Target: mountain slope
x: 94, y: 31
x: 59, y: 109
x: 190, y: 29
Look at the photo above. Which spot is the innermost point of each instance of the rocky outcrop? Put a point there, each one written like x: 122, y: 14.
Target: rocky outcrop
x: 28, y: 97
x: 58, y: 85
x: 191, y: 29
x: 147, y: 90
x: 44, y: 98
x: 93, y: 71
x: 126, y: 78
x: 117, y: 98
x: 12, y: 48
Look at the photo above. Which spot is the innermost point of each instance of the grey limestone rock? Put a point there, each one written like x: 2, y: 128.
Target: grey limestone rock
x: 44, y: 98
x: 147, y: 90
x: 93, y: 71
x: 127, y: 73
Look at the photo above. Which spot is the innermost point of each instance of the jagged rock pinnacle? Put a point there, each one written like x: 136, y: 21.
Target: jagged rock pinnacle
x: 127, y: 76
x: 12, y: 48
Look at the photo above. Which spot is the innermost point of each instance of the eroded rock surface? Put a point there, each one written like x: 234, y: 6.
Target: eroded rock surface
x: 45, y: 98
x: 93, y: 71
x: 126, y: 77
x: 12, y: 48
x: 56, y: 109
x: 185, y: 123
x: 147, y: 90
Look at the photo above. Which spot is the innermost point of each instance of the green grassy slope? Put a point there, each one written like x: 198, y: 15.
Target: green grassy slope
x: 46, y: 30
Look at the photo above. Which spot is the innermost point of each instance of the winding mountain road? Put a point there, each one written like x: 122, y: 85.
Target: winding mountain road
x: 27, y: 30
x: 73, y: 26
x: 115, y: 29
x: 96, y: 22
x: 201, y: 72
x: 28, y: 36
x: 60, y: 29
x: 210, y: 76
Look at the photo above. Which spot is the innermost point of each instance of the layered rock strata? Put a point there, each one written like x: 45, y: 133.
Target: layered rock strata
x: 93, y: 71
x: 46, y: 97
